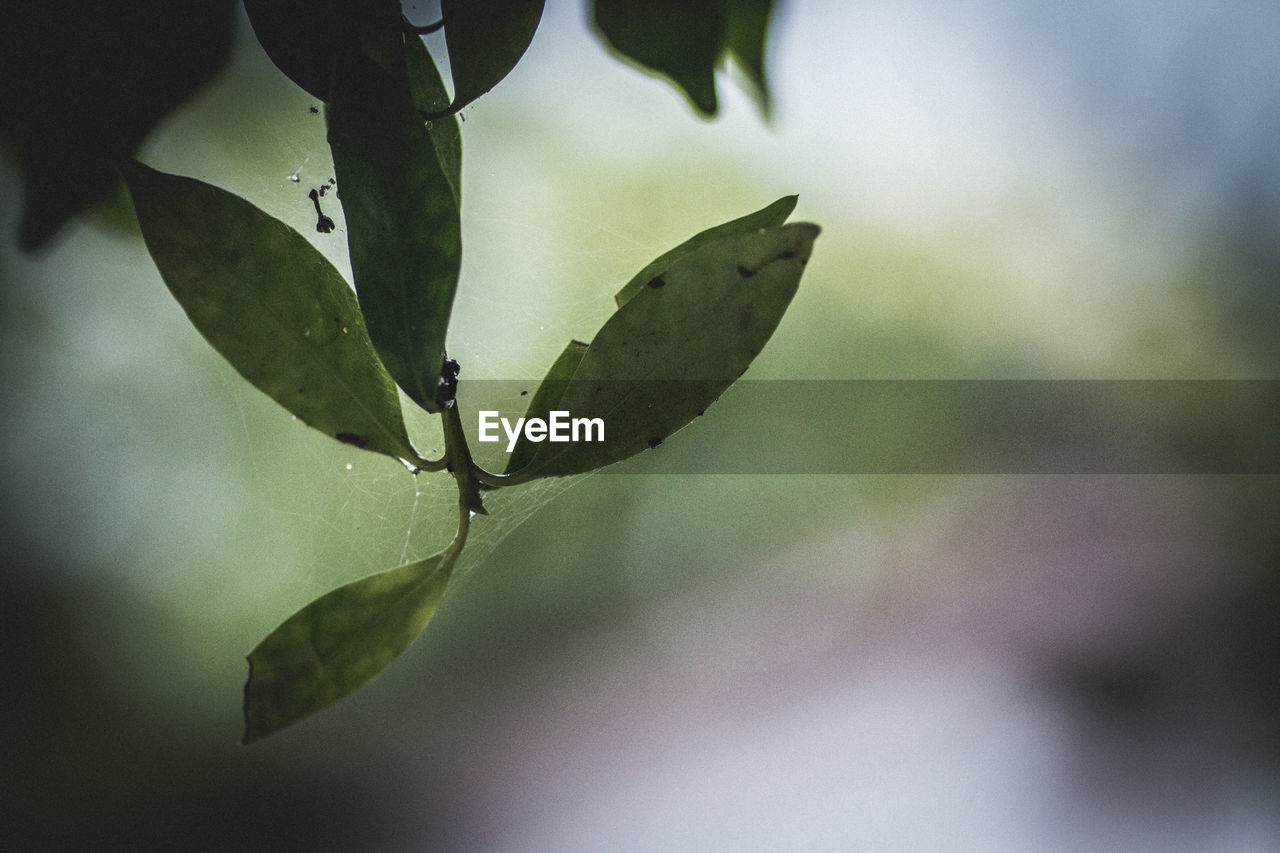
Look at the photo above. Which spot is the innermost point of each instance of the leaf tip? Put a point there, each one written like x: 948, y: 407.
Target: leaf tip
x: 249, y: 736
x: 352, y: 438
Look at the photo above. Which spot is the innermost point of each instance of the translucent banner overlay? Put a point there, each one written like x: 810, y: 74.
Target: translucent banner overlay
x: 941, y: 426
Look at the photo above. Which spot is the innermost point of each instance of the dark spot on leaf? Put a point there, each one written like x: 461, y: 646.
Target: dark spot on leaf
x: 657, y: 281
x: 315, y: 110
x: 745, y: 272
x: 524, y: 393
x: 352, y: 439
x: 654, y: 442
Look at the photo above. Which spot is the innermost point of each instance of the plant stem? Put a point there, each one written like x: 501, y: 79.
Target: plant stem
x: 460, y: 537
x: 496, y: 481
x: 421, y: 463
x: 425, y: 29
x: 460, y: 464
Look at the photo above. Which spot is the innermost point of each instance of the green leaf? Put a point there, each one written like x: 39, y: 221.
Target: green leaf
x: 403, y: 227
x: 272, y: 305
x: 686, y: 41
x: 306, y: 38
x: 486, y: 38
x: 547, y: 397
x: 430, y: 96
x: 748, y: 28
x: 339, y: 642
x: 670, y: 350
x: 767, y: 217
x: 682, y: 40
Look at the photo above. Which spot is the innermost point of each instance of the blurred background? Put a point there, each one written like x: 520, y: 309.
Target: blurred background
x: 932, y: 662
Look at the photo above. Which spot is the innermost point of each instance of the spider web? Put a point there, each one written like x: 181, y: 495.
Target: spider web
x: 351, y: 513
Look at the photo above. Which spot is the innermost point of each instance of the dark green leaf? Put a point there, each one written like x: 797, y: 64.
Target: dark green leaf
x: 672, y: 349
x: 306, y: 38
x: 338, y: 642
x: 682, y: 40
x: 272, y: 305
x: 547, y: 397
x: 430, y: 96
x: 81, y: 84
x: 748, y: 27
x: 486, y: 38
x: 403, y: 227
x: 767, y: 217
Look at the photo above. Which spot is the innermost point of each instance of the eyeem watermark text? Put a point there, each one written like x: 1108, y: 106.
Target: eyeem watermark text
x: 558, y: 426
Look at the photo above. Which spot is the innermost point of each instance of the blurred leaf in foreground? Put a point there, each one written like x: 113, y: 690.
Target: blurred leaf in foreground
x: 686, y: 42
x: 81, y: 85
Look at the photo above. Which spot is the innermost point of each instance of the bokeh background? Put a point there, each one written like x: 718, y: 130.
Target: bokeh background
x: 667, y: 661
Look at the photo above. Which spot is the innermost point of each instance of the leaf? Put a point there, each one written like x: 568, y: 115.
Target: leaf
x: 670, y: 350
x: 272, y: 305
x: 767, y: 217
x: 748, y: 28
x: 81, y: 85
x: 306, y: 38
x: 486, y: 38
x: 686, y: 41
x: 403, y: 227
x: 679, y: 39
x: 430, y: 96
x: 547, y: 397
x: 339, y: 642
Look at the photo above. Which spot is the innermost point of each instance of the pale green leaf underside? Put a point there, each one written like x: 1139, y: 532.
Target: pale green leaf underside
x: 547, y: 397
x: 339, y: 642
x: 671, y: 349
x: 272, y: 305
x: 767, y: 217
